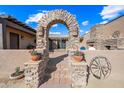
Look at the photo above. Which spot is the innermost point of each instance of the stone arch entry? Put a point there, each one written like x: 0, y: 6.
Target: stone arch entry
x: 51, y: 18
x: 35, y: 72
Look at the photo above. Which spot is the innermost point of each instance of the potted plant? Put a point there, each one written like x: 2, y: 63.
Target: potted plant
x: 35, y: 56
x: 18, y: 74
x: 79, y: 56
x: 30, y: 46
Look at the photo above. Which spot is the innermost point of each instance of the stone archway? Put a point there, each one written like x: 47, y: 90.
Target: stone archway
x: 35, y: 72
x: 51, y: 18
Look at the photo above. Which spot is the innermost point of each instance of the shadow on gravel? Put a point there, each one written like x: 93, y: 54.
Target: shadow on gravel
x: 51, y: 66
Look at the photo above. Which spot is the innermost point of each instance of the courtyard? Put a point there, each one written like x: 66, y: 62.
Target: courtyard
x: 57, y: 72
x: 63, y: 61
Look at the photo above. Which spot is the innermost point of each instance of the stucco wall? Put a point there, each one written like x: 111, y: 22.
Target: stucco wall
x: 23, y: 42
x: 10, y: 59
x: 116, y: 78
x: 1, y: 37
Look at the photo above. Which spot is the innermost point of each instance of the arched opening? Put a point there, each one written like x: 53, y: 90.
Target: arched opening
x: 58, y: 37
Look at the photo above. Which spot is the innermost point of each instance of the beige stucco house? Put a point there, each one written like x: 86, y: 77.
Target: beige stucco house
x: 15, y: 34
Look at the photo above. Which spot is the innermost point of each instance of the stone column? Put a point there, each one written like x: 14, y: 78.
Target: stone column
x: 79, y: 74
x: 34, y: 73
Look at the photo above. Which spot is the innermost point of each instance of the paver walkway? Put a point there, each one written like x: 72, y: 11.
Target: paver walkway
x: 57, y: 72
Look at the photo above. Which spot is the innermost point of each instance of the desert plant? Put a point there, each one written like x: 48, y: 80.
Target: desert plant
x: 18, y: 74
x: 79, y: 56
x: 35, y: 55
x: 33, y: 52
x: 78, y: 53
x: 17, y: 70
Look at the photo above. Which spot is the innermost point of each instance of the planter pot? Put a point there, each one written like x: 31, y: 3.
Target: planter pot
x: 36, y: 57
x: 78, y: 58
x: 13, y: 76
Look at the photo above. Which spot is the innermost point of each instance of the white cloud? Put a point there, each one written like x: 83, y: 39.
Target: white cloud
x: 45, y: 11
x: 55, y: 25
x: 111, y: 11
x: 81, y: 30
x: 87, y: 32
x: 58, y: 33
x: 35, y: 17
x: 85, y: 23
x: 104, y: 22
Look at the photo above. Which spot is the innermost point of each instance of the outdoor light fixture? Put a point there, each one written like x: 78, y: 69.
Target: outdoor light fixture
x: 22, y: 37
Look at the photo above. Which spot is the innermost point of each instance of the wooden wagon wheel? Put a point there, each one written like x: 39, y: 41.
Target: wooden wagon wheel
x: 100, y: 67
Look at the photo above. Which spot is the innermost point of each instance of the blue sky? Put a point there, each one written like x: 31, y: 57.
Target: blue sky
x: 87, y: 16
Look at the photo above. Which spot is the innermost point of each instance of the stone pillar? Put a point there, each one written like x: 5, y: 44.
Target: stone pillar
x: 34, y: 73
x: 40, y: 38
x: 79, y: 75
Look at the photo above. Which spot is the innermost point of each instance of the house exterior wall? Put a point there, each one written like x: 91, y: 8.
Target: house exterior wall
x: 24, y: 38
x: 1, y: 37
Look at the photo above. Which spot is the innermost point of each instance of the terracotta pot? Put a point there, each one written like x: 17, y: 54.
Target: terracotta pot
x: 78, y: 58
x: 36, y: 57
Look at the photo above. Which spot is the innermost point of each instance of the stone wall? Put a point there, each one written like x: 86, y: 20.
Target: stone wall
x: 120, y: 43
x: 107, y: 33
x: 79, y: 75
x: 78, y: 72
x: 35, y: 70
x: 34, y: 73
x: 85, y: 39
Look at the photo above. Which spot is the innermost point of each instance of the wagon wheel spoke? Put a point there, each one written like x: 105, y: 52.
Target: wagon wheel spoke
x: 96, y: 71
x: 100, y: 76
x: 99, y: 60
x: 106, y: 68
x: 103, y: 73
x: 94, y: 67
x: 96, y: 62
